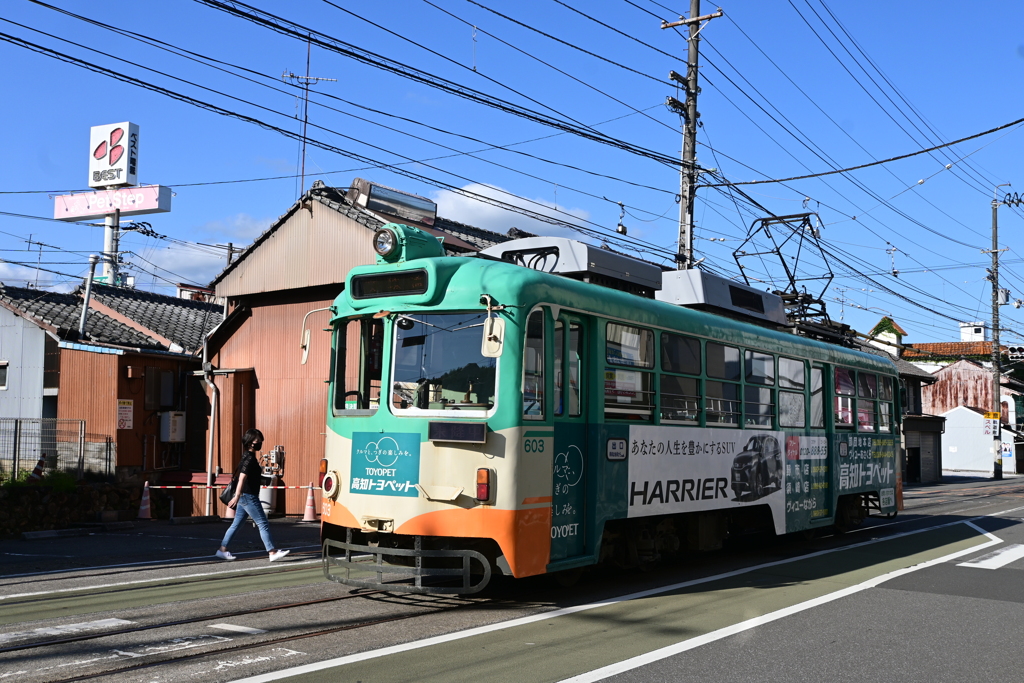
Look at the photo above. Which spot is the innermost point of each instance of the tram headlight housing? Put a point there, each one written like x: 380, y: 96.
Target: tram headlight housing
x: 385, y: 242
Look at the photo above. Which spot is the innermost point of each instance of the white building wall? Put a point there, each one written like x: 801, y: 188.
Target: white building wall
x: 965, y: 446
x: 22, y: 346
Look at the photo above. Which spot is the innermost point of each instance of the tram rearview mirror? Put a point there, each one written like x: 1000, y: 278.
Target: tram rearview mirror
x: 494, y: 337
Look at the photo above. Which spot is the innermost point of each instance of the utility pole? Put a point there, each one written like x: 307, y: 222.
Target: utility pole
x: 306, y: 81
x: 997, y: 300
x: 688, y: 168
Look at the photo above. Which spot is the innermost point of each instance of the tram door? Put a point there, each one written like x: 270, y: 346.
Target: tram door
x: 569, y: 495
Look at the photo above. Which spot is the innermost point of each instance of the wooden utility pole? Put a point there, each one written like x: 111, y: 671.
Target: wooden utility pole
x: 688, y: 168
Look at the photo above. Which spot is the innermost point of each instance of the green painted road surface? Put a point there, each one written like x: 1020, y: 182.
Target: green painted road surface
x: 156, y: 592
x: 558, y: 648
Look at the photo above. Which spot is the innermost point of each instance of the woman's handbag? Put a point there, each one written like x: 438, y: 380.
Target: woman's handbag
x: 228, y: 494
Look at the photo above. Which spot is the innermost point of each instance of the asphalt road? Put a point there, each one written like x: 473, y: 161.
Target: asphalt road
x: 931, y: 596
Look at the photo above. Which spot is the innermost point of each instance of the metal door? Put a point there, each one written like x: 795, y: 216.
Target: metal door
x: 569, y: 489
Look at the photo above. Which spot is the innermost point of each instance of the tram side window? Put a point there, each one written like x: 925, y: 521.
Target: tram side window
x: 758, y: 401
x: 628, y: 393
x: 533, y: 367
x: 817, y: 399
x: 723, y: 397
x: 885, y: 404
x: 575, y: 356
x: 357, y: 377
x: 867, y: 390
x: 845, y: 390
x: 791, y: 403
x: 680, y: 396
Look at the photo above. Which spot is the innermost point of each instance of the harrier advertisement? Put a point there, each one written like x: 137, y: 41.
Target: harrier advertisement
x: 682, y: 469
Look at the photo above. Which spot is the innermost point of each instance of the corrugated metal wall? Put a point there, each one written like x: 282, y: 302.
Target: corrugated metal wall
x: 959, y: 384
x: 307, y: 250
x: 88, y: 390
x: 289, y: 400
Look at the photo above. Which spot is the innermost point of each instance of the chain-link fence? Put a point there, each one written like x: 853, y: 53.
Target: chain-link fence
x: 62, y: 445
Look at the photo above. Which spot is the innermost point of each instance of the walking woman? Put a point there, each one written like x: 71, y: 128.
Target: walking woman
x: 247, y: 498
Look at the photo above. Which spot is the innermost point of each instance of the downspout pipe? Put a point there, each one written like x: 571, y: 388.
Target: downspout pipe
x: 214, y: 403
x: 88, y: 295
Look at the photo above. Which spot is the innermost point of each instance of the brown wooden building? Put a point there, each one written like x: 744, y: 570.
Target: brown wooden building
x: 282, y: 283
x: 124, y: 377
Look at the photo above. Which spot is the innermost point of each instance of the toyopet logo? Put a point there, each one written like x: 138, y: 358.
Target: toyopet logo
x: 115, y: 154
x: 384, y: 452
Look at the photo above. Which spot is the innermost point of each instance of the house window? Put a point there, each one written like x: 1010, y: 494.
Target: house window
x: 3, y: 374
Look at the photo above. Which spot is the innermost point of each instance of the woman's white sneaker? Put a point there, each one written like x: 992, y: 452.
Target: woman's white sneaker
x: 278, y: 554
x: 224, y: 555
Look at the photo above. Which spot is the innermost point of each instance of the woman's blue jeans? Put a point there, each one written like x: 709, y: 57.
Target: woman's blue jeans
x: 250, y: 506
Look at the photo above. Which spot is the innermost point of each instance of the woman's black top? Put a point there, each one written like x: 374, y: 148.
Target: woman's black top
x: 250, y: 467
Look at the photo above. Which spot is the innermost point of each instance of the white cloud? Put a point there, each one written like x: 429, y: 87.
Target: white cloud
x: 480, y: 214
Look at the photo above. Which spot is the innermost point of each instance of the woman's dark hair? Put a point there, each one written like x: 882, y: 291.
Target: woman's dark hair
x: 251, y: 436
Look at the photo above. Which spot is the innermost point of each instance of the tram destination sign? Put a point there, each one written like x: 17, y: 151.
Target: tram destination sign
x: 132, y: 201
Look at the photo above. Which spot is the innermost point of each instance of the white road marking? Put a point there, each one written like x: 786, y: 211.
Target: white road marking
x: 238, y: 629
x: 997, y: 559
x: 672, y: 650
x: 236, y: 570
x: 490, y: 628
x: 63, y: 630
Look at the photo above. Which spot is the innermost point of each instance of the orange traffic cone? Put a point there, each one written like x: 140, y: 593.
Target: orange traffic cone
x: 144, y: 504
x: 310, y: 514
x: 37, y: 473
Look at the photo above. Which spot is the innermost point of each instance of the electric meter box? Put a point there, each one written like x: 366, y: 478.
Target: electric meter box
x: 172, y: 426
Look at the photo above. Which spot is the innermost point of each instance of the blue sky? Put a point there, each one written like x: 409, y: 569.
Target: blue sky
x: 789, y: 88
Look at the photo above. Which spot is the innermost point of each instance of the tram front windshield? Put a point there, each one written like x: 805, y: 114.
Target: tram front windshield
x: 438, y: 365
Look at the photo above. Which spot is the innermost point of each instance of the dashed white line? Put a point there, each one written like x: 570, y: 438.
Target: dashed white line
x: 238, y: 629
x: 63, y: 630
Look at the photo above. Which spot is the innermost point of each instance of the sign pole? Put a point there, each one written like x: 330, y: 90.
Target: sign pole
x: 112, y: 226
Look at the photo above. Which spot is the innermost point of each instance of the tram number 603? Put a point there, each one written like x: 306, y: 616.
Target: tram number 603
x: 533, y: 445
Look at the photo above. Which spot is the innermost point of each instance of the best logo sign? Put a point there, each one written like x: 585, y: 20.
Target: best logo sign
x: 114, y: 155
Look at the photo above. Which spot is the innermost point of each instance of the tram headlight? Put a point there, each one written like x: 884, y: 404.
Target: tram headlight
x: 385, y: 242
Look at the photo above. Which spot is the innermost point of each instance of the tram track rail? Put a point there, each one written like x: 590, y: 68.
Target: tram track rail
x: 241, y: 647
x: 178, y: 622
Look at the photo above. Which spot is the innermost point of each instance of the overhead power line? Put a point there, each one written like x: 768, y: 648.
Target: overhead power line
x: 304, y: 33
x: 536, y: 215
x: 873, y: 163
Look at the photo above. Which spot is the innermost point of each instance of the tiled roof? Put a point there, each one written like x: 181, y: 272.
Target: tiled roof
x: 903, y: 367
x: 182, y: 321
x: 478, y: 237
x: 63, y: 312
x: 949, y: 350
